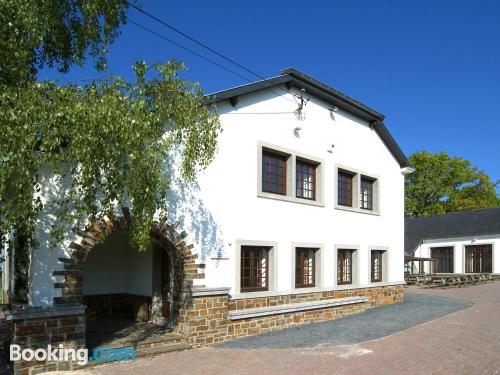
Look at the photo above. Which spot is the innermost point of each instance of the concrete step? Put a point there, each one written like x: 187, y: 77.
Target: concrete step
x: 152, y: 350
x: 165, y: 348
x: 134, y: 343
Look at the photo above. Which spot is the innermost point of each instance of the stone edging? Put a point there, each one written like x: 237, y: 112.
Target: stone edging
x: 293, y: 307
x: 45, y: 312
x: 210, y: 292
x: 278, y: 293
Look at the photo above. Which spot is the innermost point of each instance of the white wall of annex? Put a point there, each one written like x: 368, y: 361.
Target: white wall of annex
x: 424, y: 250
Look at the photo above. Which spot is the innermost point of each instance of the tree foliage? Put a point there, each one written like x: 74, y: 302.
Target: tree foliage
x: 104, y: 144
x: 56, y: 33
x: 443, y: 184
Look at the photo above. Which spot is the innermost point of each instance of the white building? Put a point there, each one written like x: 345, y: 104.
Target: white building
x: 304, y: 202
x: 461, y: 242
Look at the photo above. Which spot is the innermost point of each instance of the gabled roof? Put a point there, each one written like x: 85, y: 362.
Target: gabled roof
x: 293, y: 78
x: 482, y: 222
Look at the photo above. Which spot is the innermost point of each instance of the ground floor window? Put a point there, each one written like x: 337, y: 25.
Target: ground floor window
x: 304, y: 267
x: 478, y: 258
x: 376, y: 265
x: 444, y: 259
x: 254, y: 268
x: 344, y: 266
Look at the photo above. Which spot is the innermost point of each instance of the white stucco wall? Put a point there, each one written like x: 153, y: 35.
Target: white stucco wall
x: 458, y: 244
x: 231, y: 211
x: 115, y: 267
x: 222, y: 207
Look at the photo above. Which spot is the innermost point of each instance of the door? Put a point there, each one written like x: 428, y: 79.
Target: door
x: 166, y: 291
x: 478, y: 258
x: 444, y: 259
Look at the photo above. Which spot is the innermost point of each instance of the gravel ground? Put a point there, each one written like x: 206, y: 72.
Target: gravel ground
x: 371, y: 324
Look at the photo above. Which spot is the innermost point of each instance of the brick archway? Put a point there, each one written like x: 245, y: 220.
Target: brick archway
x: 186, y: 269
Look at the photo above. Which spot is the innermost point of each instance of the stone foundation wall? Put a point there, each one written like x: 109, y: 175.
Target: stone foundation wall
x: 205, y: 321
x: 35, y: 328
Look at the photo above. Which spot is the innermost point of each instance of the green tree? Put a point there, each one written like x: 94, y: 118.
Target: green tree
x: 55, y: 33
x: 104, y: 144
x: 443, y: 184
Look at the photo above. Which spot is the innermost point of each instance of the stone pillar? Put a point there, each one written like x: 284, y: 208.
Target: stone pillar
x: 37, y: 327
x: 203, y: 318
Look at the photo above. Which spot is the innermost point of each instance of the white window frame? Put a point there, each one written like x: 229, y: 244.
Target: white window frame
x: 385, y: 263
x: 318, y: 263
x: 356, y: 191
x: 354, y: 266
x: 291, y: 175
x: 272, y: 266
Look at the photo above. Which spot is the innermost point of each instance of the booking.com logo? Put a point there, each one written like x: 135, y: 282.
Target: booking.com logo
x: 60, y: 353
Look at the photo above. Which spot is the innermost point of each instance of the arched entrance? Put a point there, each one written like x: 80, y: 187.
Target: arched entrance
x: 128, y: 294
x: 117, y: 282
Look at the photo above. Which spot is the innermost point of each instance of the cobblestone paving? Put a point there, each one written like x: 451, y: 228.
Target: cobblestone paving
x: 464, y: 342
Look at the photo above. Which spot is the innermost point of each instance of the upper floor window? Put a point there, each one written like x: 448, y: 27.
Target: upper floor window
x: 254, y: 270
x: 304, y: 267
x: 345, y: 188
x: 288, y: 175
x: 357, y: 191
x: 305, y: 179
x: 274, y: 172
x: 366, y: 196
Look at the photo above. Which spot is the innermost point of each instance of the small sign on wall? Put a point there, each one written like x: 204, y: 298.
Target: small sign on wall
x: 220, y: 254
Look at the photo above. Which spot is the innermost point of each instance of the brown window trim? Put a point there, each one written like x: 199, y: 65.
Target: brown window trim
x: 377, y: 254
x: 267, y: 171
x: 301, y: 254
x: 344, y: 255
x: 368, y: 204
x: 342, y: 178
x: 443, y: 255
x: 300, y: 191
x: 256, y: 276
x: 478, y: 258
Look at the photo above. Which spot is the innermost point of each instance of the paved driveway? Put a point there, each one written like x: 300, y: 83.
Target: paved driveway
x: 463, y: 342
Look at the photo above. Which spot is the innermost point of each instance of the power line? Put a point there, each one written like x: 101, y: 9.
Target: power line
x: 195, y: 41
x: 206, y: 47
x: 188, y: 49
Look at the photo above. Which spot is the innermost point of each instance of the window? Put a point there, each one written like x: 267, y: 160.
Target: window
x: 274, y: 173
x: 478, y: 259
x: 357, y: 191
x: 287, y: 175
x: 366, y: 198
x: 345, y: 188
x: 305, y: 180
x: 444, y: 259
x: 376, y: 265
x: 304, y: 267
x: 254, y: 268
x: 344, y: 266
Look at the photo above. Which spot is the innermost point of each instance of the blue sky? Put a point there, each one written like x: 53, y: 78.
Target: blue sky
x: 432, y: 67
